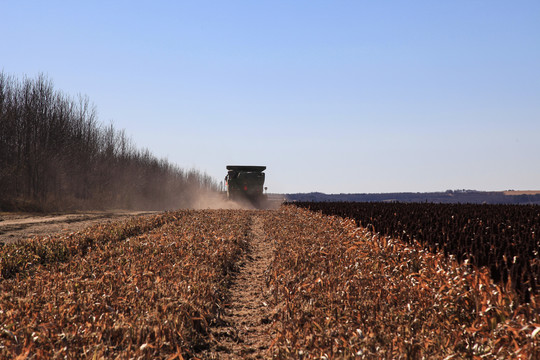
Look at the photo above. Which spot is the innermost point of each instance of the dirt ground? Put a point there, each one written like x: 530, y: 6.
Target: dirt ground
x: 21, y: 226
x: 244, y: 329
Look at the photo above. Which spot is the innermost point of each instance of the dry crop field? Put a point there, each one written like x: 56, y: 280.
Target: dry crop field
x: 232, y: 284
x: 503, y: 238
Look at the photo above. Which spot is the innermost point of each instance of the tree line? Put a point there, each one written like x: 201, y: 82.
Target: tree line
x: 56, y: 155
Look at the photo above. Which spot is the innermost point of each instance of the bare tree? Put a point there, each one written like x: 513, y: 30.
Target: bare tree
x: 54, y: 153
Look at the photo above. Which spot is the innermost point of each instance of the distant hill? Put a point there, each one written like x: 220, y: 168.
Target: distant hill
x: 450, y: 196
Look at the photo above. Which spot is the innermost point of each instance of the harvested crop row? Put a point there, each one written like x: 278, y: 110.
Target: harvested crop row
x: 342, y: 292
x: 150, y: 296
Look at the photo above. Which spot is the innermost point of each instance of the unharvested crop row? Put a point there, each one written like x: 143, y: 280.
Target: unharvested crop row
x: 150, y: 295
x: 344, y: 292
x: 504, y: 238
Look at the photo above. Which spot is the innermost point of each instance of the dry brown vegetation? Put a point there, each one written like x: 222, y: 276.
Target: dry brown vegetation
x: 148, y: 288
x: 22, y: 226
x: 343, y: 292
x: 158, y: 287
x: 502, y: 238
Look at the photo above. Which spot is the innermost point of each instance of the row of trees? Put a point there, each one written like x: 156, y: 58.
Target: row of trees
x: 54, y: 154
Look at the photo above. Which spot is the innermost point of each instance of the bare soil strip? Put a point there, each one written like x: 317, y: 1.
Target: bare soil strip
x: 521, y: 192
x: 243, y: 332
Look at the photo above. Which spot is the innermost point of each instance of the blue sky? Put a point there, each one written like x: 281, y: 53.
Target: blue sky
x: 333, y: 96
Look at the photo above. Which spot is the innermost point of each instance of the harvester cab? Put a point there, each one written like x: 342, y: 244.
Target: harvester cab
x: 245, y: 183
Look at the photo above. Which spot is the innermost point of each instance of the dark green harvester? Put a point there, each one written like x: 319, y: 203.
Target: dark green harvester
x: 245, y: 182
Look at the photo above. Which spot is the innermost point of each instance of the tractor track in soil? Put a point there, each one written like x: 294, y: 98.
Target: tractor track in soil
x: 243, y: 331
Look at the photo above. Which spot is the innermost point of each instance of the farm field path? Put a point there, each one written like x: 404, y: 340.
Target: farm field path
x: 22, y: 226
x: 243, y: 332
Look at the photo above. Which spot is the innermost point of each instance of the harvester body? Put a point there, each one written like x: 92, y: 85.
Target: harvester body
x: 245, y: 183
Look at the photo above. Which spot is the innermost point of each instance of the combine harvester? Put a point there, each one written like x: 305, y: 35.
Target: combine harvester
x: 246, y: 184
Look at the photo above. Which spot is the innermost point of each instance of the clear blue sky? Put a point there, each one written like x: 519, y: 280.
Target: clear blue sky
x: 333, y: 96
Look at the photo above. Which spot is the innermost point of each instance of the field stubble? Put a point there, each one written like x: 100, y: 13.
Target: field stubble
x: 163, y: 286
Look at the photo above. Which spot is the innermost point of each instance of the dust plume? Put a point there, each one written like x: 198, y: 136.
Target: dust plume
x: 218, y: 200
